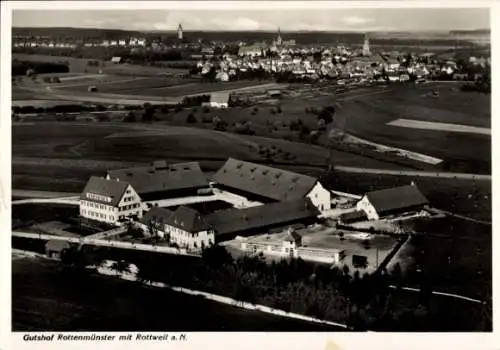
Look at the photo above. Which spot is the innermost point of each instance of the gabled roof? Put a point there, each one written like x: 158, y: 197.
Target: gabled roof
x: 107, y: 188
x: 161, y: 176
x: 238, y: 220
x: 353, y: 215
x: 188, y: 219
x: 264, y: 181
x: 397, y: 198
x: 156, y: 214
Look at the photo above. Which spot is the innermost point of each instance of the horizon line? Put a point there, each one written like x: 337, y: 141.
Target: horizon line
x: 265, y: 30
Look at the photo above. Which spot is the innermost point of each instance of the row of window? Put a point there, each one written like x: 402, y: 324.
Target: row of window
x: 109, y: 208
x: 98, y: 206
x: 97, y: 215
x: 131, y: 206
x: 128, y: 199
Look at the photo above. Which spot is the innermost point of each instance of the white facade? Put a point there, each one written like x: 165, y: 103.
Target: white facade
x: 129, y: 205
x: 365, y: 205
x: 320, y: 197
x: 193, y: 241
x: 289, y: 249
x: 215, y: 104
x: 190, y: 240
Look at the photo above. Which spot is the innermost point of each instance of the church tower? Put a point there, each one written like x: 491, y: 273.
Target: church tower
x: 366, y: 46
x: 180, y: 34
x: 279, y: 40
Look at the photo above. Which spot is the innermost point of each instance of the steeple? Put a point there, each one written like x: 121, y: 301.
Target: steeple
x: 279, y: 41
x: 366, y: 46
x: 180, y: 35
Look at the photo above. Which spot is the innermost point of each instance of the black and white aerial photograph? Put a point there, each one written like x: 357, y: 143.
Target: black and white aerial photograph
x: 246, y: 169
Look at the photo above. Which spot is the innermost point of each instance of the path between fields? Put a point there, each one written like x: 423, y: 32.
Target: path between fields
x: 41, y: 194
x: 456, y: 296
x: 465, y: 176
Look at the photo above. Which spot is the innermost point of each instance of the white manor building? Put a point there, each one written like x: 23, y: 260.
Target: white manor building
x: 184, y: 227
x: 109, y: 201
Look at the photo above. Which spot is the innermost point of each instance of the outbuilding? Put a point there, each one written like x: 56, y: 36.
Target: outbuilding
x: 54, y: 248
x: 116, y: 60
x: 381, y: 203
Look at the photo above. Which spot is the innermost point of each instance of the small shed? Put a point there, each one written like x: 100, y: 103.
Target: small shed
x: 54, y: 248
x: 353, y: 216
x: 116, y: 60
x: 274, y: 93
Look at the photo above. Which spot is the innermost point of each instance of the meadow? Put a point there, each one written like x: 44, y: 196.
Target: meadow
x: 61, y: 156
x: 367, y: 118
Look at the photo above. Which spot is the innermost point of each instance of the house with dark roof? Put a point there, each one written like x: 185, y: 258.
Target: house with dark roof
x: 153, y: 221
x: 267, y: 184
x: 184, y: 227
x: 398, y: 200
x: 109, y: 201
x: 162, y: 180
x: 54, y: 248
x: 352, y: 216
x: 230, y: 223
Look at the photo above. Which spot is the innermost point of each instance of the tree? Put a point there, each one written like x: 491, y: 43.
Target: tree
x: 321, y: 125
x: 148, y: 113
x: 191, y: 119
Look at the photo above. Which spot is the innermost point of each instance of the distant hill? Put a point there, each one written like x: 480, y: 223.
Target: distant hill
x: 62, y: 32
x: 301, y: 37
x: 471, y: 32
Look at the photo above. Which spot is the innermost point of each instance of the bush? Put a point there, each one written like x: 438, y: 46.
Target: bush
x: 191, y: 119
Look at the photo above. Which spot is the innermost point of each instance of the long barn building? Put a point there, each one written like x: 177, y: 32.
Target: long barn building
x: 162, y: 180
x: 268, y: 185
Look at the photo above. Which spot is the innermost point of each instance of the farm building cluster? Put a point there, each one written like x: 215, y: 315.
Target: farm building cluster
x: 242, y: 202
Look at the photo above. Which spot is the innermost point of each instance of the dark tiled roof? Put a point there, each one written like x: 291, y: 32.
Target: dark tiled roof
x: 398, y: 198
x: 188, y: 219
x: 264, y: 181
x: 156, y: 214
x: 103, y: 187
x: 184, y: 218
x: 354, y: 215
x: 237, y: 220
x: 161, y: 177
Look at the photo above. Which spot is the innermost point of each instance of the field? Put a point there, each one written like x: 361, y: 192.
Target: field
x: 155, y: 86
x: 367, y: 117
x: 451, y: 264
x: 80, y: 65
x: 61, y: 156
x: 47, y: 298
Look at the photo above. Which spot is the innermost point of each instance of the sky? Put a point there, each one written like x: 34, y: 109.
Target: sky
x: 326, y: 19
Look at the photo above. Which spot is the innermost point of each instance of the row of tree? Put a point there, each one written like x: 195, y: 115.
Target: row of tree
x: 22, y: 68
x: 331, y: 293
